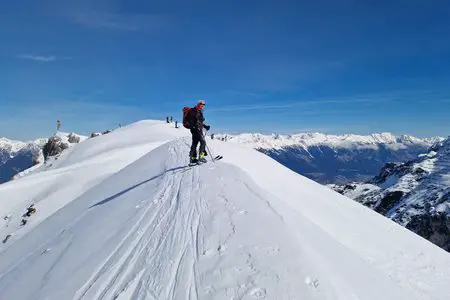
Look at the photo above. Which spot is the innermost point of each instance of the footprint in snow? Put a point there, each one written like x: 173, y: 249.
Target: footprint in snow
x: 221, y: 249
x: 313, y: 283
x: 259, y: 293
x: 207, y: 252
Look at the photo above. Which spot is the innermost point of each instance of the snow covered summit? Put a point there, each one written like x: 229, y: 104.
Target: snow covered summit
x: 121, y: 217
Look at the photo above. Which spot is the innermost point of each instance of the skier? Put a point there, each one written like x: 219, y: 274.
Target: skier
x: 196, y: 120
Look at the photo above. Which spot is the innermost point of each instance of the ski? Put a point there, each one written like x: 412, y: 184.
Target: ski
x: 218, y: 157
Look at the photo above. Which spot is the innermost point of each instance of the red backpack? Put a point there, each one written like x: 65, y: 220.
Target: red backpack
x: 186, y: 121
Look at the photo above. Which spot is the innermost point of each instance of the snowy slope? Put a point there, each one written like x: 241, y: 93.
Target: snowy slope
x: 335, y: 158
x: 416, y: 194
x: 242, y: 228
x: 39, y: 157
x: 77, y: 169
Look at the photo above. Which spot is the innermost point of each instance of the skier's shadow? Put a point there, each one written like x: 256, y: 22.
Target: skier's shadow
x: 106, y: 200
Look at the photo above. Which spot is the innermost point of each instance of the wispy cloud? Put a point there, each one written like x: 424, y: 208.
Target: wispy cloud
x: 118, y: 21
x: 300, y: 103
x: 41, y: 58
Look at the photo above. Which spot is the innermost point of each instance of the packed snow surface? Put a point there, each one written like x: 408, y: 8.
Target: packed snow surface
x: 122, y: 217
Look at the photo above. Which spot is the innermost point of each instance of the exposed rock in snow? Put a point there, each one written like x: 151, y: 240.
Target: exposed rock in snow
x: 95, y: 134
x: 60, y: 142
x: 74, y: 138
x: 54, y: 146
x: 18, y: 159
x: 415, y: 194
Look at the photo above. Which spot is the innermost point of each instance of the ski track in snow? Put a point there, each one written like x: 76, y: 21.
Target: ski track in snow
x: 181, y: 216
x: 173, y: 220
x: 175, y: 232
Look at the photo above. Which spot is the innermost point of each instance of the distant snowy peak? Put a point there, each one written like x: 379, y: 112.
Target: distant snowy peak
x: 442, y: 146
x: 20, y: 158
x: 13, y: 146
x: 346, y: 141
x: 10, y: 145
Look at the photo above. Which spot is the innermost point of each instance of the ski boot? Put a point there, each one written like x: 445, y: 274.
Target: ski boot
x: 202, y: 158
x: 193, y: 161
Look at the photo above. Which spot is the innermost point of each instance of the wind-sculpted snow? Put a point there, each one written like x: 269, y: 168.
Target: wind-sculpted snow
x: 242, y: 228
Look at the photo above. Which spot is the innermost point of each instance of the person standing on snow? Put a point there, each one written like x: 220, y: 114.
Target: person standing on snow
x: 196, y: 124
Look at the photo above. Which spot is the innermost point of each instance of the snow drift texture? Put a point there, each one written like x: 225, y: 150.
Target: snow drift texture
x: 121, y: 217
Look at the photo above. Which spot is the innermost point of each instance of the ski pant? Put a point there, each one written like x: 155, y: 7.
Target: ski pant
x: 197, y: 137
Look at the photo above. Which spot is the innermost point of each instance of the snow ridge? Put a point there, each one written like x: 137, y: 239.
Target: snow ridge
x: 122, y: 216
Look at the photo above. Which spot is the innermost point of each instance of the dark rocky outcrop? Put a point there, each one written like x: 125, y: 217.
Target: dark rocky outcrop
x: 388, y: 201
x: 54, y: 146
x: 435, y: 228
x: 73, y: 138
x: 415, y: 194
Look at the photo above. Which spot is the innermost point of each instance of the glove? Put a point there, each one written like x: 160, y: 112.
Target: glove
x: 207, y: 127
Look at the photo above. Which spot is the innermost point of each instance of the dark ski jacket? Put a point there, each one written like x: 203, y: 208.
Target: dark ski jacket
x: 196, y: 119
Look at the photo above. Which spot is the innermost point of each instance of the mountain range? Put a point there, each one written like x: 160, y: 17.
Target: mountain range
x: 16, y: 156
x: 335, y: 158
x: 415, y: 194
x: 122, y: 216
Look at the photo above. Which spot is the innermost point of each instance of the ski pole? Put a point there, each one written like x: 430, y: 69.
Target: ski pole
x: 207, y: 148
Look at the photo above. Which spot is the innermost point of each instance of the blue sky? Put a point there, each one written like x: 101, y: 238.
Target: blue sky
x: 266, y: 66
